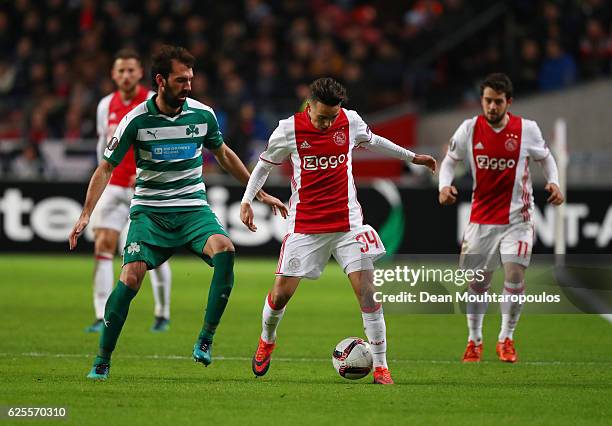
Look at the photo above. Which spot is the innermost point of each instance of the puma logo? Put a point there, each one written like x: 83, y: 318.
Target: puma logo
x: 154, y: 134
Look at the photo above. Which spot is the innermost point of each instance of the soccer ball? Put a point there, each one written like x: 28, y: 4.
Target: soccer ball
x: 352, y: 358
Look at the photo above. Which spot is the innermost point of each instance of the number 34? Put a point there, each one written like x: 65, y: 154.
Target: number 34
x: 367, y: 238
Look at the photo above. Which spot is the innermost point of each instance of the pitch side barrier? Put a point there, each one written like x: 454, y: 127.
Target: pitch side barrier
x: 37, y: 217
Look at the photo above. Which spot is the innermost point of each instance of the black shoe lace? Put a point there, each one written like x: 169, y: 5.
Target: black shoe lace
x: 204, y: 345
x: 102, y: 368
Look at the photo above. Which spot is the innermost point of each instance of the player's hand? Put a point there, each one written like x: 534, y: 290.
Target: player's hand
x: 77, y: 230
x: 425, y: 160
x: 275, y: 204
x: 448, y: 195
x: 246, y: 216
x: 556, y: 197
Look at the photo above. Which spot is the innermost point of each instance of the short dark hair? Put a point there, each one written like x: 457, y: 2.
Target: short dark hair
x: 328, y: 91
x: 162, y: 60
x: 127, y: 53
x: 499, y: 82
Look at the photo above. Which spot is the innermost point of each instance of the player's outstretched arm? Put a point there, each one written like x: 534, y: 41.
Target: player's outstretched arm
x: 98, y: 182
x: 385, y: 146
x: 448, y: 193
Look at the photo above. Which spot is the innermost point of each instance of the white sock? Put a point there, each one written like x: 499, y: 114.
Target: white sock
x: 475, y: 312
x: 376, y: 332
x: 103, y: 282
x: 511, y: 311
x: 270, y: 318
x: 161, y: 281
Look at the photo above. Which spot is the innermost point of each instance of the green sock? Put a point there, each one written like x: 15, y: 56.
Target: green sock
x: 115, y: 313
x: 218, y: 295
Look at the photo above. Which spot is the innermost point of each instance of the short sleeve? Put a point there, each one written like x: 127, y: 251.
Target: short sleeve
x: 535, y: 144
x: 213, y: 139
x: 277, y: 149
x: 120, y: 143
x: 457, y: 148
x: 363, y: 134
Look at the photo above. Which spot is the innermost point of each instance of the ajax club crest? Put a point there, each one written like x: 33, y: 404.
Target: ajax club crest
x: 339, y: 138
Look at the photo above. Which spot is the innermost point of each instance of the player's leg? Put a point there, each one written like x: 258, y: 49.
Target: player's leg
x: 475, y: 312
x: 108, y: 220
x: 361, y: 274
x: 105, y: 244
x: 116, y: 311
x: 480, y: 254
x: 301, y: 256
x: 141, y: 252
x: 273, y: 311
x: 220, y: 250
x: 356, y: 252
x: 515, y: 254
x: 161, y: 281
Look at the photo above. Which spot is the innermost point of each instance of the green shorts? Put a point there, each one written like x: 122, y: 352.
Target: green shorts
x: 154, y: 237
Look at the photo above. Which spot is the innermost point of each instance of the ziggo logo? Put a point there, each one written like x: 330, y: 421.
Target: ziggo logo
x: 312, y: 162
x: 486, y: 162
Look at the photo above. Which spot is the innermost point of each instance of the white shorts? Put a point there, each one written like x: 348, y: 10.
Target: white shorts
x: 489, y: 246
x: 113, y: 208
x: 306, y: 255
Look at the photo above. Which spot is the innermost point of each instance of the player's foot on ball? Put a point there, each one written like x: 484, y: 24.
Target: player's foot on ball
x: 382, y: 376
x: 506, y: 351
x: 261, y: 359
x: 473, y: 352
x: 96, y: 327
x: 202, y: 352
x: 160, y: 324
x: 99, y: 371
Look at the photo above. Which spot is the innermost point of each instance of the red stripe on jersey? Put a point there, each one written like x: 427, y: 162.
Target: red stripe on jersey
x: 496, y: 156
x: 268, y: 161
x: 526, y: 194
x: 282, y: 253
x: 323, y: 192
x: 122, y: 174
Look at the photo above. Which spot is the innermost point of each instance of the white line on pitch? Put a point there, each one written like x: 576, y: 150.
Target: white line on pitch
x: 281, y: 359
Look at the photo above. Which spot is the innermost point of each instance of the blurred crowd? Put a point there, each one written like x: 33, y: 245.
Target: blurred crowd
x: 256, y: 57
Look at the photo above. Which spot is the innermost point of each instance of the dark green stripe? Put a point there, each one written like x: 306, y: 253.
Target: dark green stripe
x: 199, y: 194
x: 170, y: 166
x: 175, y: 184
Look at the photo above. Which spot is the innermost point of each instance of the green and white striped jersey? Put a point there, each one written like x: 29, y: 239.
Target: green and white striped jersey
x: 168, y: 152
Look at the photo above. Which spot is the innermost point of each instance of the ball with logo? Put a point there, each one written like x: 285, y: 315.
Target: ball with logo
x: 352, y: 358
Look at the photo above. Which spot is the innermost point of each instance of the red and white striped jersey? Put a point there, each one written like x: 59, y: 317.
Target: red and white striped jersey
x: 111, y: 110
x: 499, y: 159
x: 323, y: 195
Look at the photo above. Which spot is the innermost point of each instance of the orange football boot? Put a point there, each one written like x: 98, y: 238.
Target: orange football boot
x: 382, y: 376
x: 505, y: 351
x: 473, y: 352
x: 261, y: 359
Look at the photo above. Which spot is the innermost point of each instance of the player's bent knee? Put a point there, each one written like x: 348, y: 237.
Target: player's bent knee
x: 218, y: 244
x: 132, y: 274
x: 514, y: 272
x: 106, y: 241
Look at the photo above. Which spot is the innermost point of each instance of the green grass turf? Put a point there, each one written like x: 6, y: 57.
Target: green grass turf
x: 564, y: 375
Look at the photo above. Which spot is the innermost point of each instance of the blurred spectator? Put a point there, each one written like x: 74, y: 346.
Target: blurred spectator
x: 558, y: 69
x: 528, y: 67
x: 263, y: 53
x: 29, y: 164
x: 595, y: 50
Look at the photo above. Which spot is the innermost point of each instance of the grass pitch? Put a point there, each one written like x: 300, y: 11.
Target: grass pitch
x: 564, y: 375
